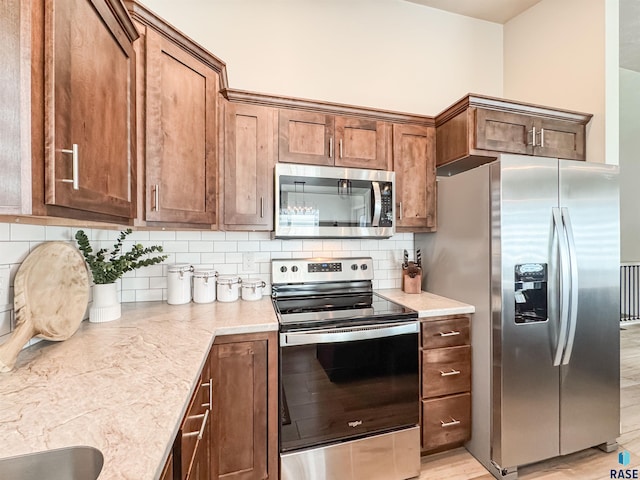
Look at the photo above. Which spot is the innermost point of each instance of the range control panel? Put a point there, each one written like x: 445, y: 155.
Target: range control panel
x: 302, y: 270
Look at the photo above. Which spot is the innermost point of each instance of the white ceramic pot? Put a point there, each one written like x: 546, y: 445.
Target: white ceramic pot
x: 252, y: 289
x: 106, y: 305
x: 228, y: 288
x: 204, y: 285
x: 179, y: 283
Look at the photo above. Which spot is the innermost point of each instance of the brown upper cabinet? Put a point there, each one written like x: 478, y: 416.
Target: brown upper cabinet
x: 414, y: 157
x: 177, y: 124
x: 74, y: 154
x: 476, y: 129
x: 250, y: 143
x: 322, y: 139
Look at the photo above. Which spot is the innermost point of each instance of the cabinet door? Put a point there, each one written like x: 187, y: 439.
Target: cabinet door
x: 362, y: 143
x: 446, y: 421
x: 562, y: 139
x: 89, y: 109
x: 305, y: 137
x: 503, y: 132
x: 240, y: 400
x: 414, y: 163
x: 180, y: 134
x: 248, y: 166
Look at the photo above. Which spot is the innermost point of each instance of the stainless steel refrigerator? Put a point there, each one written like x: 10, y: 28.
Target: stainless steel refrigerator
x: 533, y: 243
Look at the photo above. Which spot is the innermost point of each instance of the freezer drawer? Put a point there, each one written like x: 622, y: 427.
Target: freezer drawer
x: 446, y: 371
x: 446, y: 421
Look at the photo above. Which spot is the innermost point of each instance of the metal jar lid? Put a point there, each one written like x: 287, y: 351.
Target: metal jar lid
x: 204, y: 273
x: 228, y: 279
x: 253, y: 283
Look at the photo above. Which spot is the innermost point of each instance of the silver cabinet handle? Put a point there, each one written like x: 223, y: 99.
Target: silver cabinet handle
x: 542, y: 137
x: 156, y: 198
x: 199, y: 433
x: 450, y: 424
x: 447, y: 374
x: 400, y: 211
x: 74, y: 166
x: 533, y: 136
x: 340, y: 148
x: 449, y: 334
x: 261, y: 207
x: 209, y: 384
x: 330, y: 147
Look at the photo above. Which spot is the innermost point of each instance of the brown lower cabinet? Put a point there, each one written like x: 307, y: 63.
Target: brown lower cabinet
x: 446, y: 383
x: 230, y: 429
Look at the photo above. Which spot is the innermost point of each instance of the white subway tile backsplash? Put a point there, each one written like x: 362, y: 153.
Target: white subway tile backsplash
x: 189, y: 235
x: 20, y: 232
x: 14, y: 252
x: 220, y: 250
x: 5, y: 232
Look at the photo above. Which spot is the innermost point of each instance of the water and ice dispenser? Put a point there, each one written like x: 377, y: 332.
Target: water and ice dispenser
x: 530, y: 292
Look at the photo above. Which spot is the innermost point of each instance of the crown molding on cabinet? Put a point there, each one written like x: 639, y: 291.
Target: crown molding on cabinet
x: 493, y: 103
x: 292, y: 103
x: 146, y: 16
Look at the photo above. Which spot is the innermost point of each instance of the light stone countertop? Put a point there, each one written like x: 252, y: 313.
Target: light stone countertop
x: 427, y: 304
x: 121, y: 386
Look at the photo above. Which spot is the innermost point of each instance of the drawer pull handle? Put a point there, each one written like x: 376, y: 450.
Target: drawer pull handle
x: 449, y: 334
x: 452, y: 372
x: 204, y: 423
x: 450, y: 424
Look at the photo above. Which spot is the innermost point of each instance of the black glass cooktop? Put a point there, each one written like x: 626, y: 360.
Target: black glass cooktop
x: 341, y: 310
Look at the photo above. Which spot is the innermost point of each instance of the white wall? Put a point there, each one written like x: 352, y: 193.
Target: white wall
x: 387, y: 54
x: 554, y: 54
x: 629, y: 165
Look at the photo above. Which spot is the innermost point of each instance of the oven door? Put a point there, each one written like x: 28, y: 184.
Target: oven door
x: 345, y: 383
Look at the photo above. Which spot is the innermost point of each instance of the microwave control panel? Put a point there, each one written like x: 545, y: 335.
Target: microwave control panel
x: 386, y: 212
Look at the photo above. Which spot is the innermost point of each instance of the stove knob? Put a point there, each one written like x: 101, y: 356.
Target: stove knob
x: 354, y: 267
x: 363, y: 266
x: 283, y: 269
x: 294, y: 269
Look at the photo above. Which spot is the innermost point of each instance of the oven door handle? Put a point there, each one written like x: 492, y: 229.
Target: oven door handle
x: 347, y: 334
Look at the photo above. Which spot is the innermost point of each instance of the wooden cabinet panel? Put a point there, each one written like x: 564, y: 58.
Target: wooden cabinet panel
x: 362, y: 143
x: 560, y: 139
x: 446, y: 421
x: 414, y: 165
x: 449, y: 332
x: 89, y: 102
x: 245, y: 407
x: 503, y: 132
x: 180, y: 128
x: 167, y: 471
x: 446, y: 371
x: 249, y: 157
x: 305, y: 137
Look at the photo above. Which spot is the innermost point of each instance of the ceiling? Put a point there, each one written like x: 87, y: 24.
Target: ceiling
x: 501, y: 11
x: 497, y: 11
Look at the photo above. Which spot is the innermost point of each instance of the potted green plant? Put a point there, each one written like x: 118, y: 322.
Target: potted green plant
x: 108, y: 266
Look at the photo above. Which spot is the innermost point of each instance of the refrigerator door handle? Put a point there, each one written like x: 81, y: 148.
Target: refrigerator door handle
x: 563, y: 248
x: 573, y: 286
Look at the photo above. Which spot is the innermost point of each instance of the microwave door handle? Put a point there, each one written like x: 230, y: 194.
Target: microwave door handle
x: 377, y: 204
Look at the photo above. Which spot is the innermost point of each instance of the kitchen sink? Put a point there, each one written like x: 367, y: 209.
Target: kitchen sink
x: 72, y: 463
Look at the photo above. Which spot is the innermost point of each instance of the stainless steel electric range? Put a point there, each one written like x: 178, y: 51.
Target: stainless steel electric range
x: 349, y: 387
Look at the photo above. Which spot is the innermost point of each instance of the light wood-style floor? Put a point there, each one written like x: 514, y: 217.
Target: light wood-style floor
x: 591, y: 464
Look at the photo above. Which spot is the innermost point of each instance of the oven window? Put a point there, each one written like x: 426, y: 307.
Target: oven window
x: 337, y: 391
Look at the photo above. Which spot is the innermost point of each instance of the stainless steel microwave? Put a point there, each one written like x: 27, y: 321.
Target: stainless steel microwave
x: 330, y: 202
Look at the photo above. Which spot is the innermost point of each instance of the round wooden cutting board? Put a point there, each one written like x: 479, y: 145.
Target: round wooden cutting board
x: 51, y: 292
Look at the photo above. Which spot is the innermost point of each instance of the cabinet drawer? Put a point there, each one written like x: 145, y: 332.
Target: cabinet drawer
x: 449, y: 332
x: 446, y: 371
x: 446, y: 421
